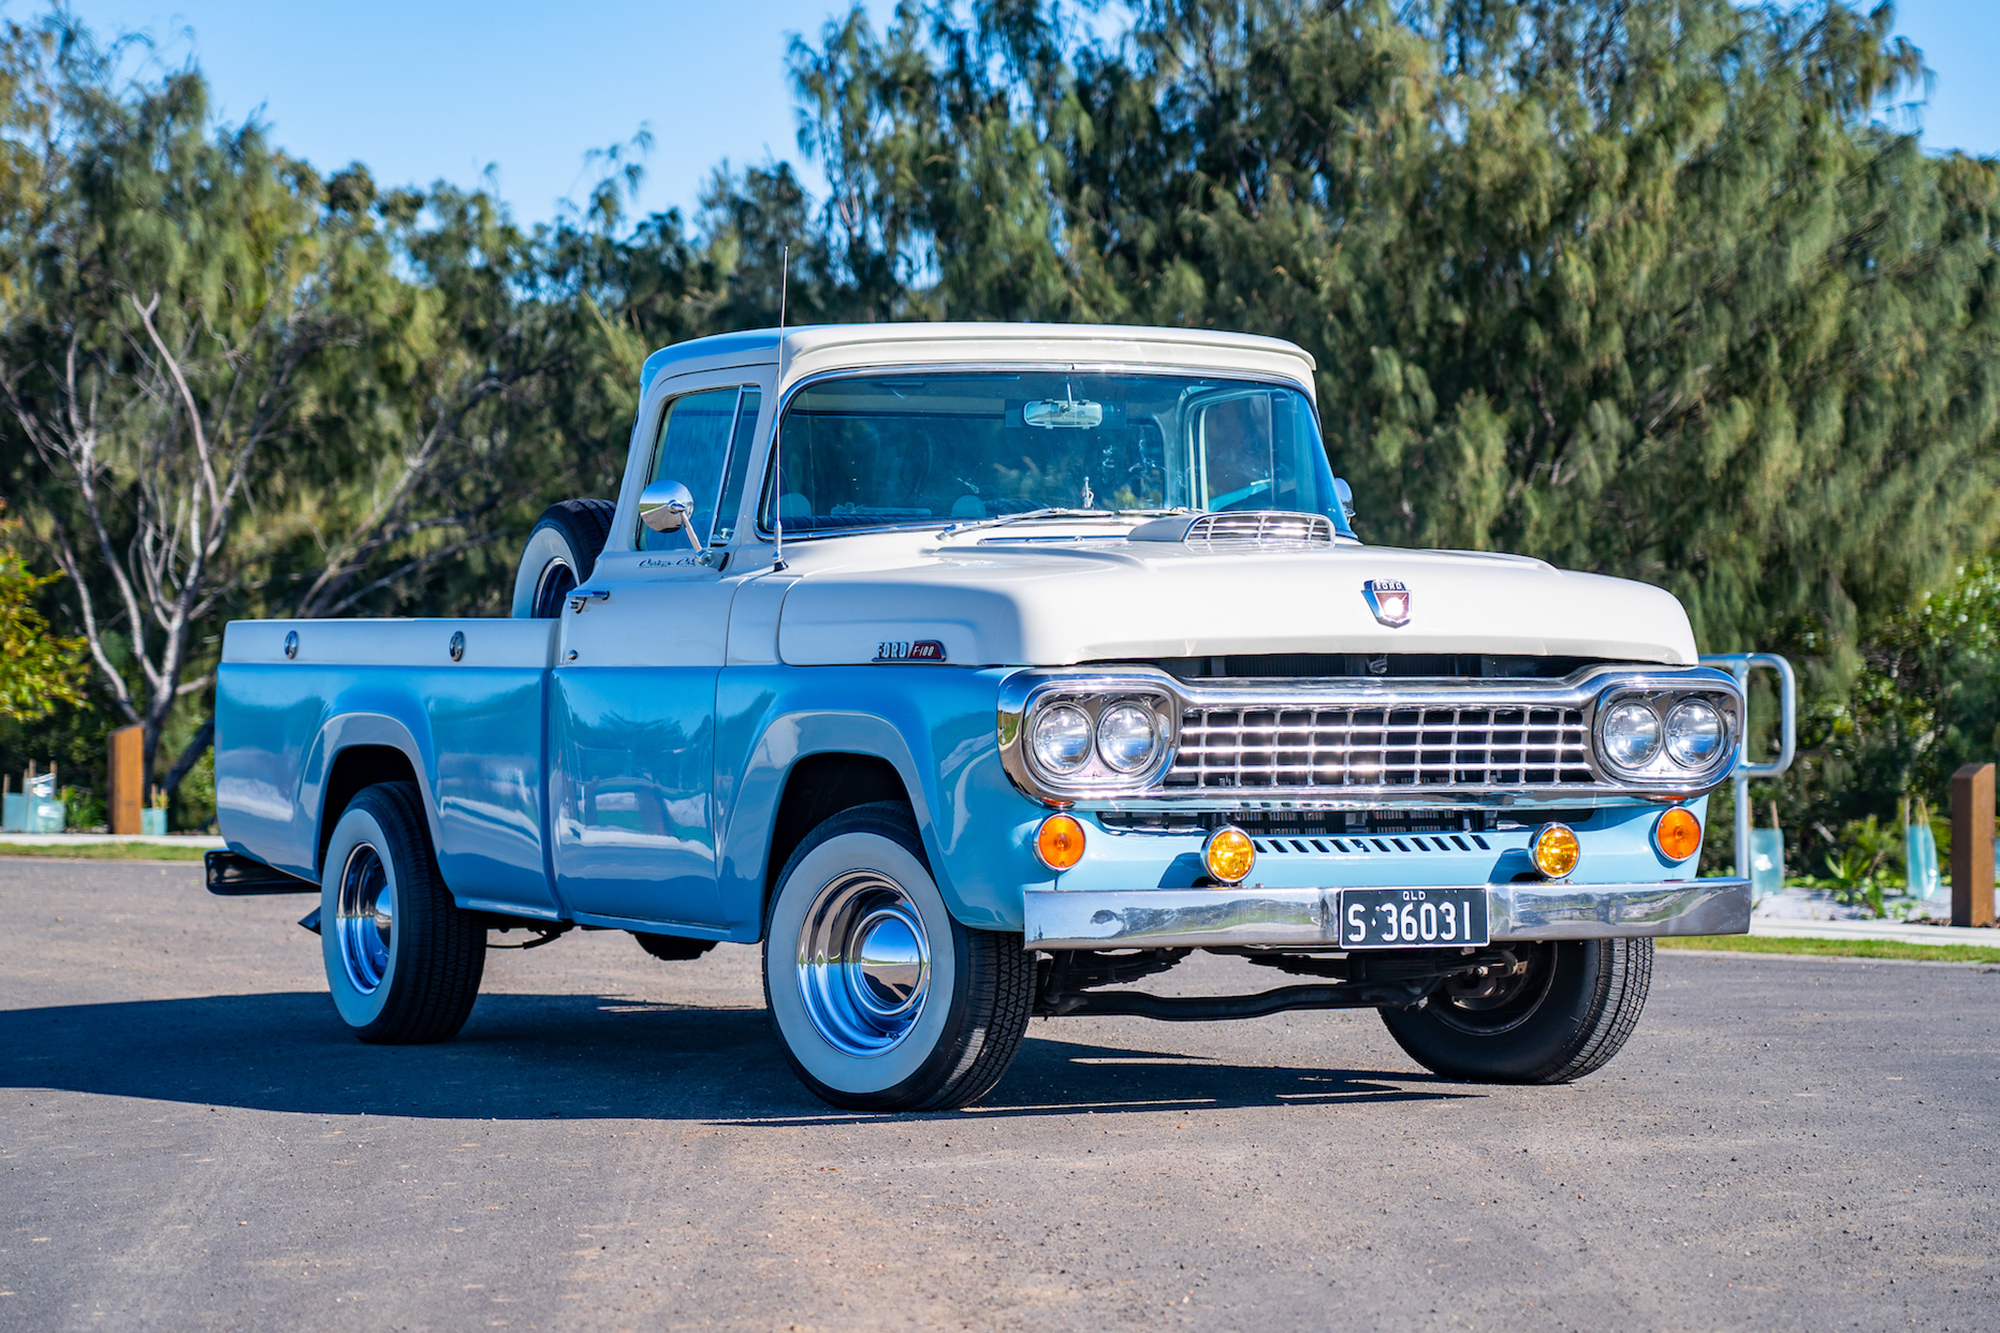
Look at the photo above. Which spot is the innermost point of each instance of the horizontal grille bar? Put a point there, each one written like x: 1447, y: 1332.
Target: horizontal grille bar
x: 1233, y: 749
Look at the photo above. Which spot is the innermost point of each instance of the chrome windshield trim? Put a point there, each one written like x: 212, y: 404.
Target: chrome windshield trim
x: 1586, y: 689
x: 791, y: 391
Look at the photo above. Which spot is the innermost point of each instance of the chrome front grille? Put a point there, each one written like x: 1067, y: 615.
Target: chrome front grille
x: 1326, y: 747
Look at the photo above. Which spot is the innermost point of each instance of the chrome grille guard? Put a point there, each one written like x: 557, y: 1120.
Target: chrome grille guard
x: 1340, y: 743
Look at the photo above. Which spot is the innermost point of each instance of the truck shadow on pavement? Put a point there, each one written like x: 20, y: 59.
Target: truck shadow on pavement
x: 567, y: 1056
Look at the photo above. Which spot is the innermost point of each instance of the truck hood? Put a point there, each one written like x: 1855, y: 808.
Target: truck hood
x: 1053, y: 602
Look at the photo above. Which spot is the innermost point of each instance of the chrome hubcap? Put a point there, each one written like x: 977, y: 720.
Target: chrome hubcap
x: 367, y: 921
x: 864, y: 963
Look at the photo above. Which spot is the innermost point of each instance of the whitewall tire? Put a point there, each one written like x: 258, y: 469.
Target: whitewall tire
x: 882, y: 1001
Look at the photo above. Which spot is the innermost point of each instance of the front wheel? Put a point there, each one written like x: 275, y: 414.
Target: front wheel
x: 1561, y: 1011
x: 883, y: 1001
x: 402, y: 960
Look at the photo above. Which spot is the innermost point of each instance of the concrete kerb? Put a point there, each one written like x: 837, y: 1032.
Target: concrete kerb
x: 1984, y: 937
x: 133, y: 839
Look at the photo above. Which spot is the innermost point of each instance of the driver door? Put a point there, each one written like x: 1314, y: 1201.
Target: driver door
x: 633, y: 716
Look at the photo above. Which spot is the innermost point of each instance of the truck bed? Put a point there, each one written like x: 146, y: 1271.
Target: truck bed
x: 478, y: 722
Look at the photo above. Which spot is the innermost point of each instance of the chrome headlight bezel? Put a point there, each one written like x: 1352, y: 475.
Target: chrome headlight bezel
x: 1662, y: 770
x: 1095, y: 697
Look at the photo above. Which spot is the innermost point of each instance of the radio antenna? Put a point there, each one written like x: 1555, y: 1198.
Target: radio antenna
x: 777, y: 434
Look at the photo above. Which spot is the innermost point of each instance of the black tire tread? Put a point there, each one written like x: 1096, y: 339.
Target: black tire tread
x: 999, y: 1020
x: 436, y: 986
x: 1624, y: 977
x: 587, y: 519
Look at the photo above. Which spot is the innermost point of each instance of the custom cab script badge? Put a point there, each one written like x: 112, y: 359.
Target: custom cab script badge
x: 1389, y: 600
x: 923, y: 650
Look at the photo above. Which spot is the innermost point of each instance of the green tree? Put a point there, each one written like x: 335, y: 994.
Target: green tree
x: 38, y: 668
x: 1639, y: 287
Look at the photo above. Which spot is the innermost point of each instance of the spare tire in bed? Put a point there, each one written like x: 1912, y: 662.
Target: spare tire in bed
x: 561, y: 552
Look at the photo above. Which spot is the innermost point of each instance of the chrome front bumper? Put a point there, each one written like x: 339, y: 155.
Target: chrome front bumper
x: 1305, y: 918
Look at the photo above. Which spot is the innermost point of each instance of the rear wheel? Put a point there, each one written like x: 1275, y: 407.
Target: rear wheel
x: 1562, y: 1011
x: 561, y: 552
x: 402, y: 960
x: 882, y: 1000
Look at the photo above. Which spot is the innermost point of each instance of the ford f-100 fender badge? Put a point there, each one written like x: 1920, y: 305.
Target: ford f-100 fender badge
x: 923, y: 650
x: 1389, y: 600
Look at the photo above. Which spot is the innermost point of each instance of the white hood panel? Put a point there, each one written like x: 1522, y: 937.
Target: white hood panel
x: 1029, y: 604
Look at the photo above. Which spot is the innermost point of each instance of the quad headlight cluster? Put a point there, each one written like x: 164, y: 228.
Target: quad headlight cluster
x: 1666, y: 735
x: 1087, y: 740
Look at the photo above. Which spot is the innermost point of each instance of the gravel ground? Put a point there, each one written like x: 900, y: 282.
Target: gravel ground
x: 190, y: 1140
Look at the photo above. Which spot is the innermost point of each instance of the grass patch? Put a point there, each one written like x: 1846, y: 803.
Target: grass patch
x: 106, y: 851
x: 1922, y: 953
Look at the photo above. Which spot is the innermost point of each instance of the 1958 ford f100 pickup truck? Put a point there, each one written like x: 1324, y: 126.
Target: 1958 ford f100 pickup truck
x: 978, y: 671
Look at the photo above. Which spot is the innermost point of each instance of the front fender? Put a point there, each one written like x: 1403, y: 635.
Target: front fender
x: 937, y: 726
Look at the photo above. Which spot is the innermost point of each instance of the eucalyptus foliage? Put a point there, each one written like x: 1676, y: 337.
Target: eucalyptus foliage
x: 1639, y: 287
x: 1650, y: 287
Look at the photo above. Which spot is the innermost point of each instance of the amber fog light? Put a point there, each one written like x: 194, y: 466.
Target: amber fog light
x: 1059, y: 842
x: 1677, y: 834
x: 1229, y: 855
x: 1555, y: 850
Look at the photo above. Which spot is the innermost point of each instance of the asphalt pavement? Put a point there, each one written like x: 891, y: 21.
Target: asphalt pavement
x: 189, y: 1140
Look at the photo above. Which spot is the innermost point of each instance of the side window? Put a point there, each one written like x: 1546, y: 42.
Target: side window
x: 741, y: 446
x: 692, y: 449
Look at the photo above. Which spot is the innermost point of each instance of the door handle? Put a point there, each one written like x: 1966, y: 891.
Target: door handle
x: 579, y: 600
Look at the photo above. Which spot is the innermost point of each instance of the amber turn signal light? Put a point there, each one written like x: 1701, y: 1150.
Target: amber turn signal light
x: 1228, y: 854
x: 1059, y: 842
x: 1555, y: 850
x: 1678, y: 834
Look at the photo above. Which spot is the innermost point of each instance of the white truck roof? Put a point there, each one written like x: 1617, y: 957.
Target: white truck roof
x: 817, y: 348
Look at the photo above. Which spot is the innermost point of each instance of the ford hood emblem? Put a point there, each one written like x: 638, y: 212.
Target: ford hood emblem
x: 1388, y: 600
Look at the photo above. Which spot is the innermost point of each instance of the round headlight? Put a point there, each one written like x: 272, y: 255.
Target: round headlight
x: 1127, y: 737
x: 1631, y: 735
x: 1695, y: 734
x: 1061, y: 739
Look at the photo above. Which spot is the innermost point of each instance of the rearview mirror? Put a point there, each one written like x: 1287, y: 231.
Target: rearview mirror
x: 666, y: 506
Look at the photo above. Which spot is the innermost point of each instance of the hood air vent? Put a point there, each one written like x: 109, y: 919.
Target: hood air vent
x: 1264, y: 529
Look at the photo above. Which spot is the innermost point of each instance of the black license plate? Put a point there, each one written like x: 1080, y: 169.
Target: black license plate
x: 1412, y: 918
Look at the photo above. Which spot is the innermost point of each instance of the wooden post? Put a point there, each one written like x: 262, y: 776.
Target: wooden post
x: 1972, y: 846
x: 127, y: 766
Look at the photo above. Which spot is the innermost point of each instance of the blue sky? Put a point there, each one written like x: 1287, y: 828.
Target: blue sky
x: 429, y: 89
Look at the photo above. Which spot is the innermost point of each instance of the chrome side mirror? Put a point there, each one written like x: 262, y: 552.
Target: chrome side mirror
x: 1345, y: 494
x: 666, y: 506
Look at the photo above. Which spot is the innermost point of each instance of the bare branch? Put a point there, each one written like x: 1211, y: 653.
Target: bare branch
x: 187, y: 395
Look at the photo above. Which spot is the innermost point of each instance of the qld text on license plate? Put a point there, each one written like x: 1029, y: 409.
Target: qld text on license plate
x: 1411, y: 918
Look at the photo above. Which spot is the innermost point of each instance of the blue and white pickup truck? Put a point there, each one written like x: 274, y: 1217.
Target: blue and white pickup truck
x: 978, y: 671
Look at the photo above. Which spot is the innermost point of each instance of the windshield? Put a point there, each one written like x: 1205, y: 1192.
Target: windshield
x: 921, y: 448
